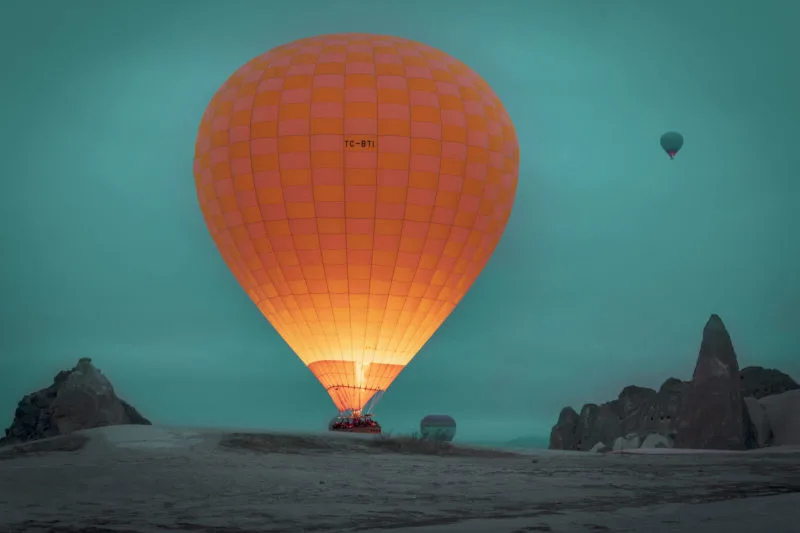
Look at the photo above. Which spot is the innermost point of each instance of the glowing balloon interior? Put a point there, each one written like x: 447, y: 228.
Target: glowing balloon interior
x: 356, y: 185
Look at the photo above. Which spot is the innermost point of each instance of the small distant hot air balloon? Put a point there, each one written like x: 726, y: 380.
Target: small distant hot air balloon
x: 671, y: 142
x: 356, y: 185
x: 438, y: 427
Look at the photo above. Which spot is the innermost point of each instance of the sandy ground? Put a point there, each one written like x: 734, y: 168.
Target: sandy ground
x: 148, y: 479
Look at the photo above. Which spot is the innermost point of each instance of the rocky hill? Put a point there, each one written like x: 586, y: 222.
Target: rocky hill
x: 80, y: 398
x: 721, y: 407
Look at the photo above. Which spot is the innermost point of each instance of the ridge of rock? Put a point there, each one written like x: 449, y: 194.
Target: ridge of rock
x: 80, y: 398
x: 713, y: 414
x: 707, y: 412
x: 758, y: 382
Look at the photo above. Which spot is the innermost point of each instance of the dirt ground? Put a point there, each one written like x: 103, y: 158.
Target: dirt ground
x: 148, y: 479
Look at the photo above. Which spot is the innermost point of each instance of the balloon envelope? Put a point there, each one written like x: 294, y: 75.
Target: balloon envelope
x: 356, y: 185
x: 671, y: 142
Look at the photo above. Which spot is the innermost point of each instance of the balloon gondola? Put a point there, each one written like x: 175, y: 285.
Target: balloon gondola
x: 364, y: 423
x: 355, y: 185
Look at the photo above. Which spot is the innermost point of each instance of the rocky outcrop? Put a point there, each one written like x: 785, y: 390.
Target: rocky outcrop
x: 628, y: 442
x: 596, y: 423
x: 658, y: 413
x: 713, y: 414
x: 758, y: 382
x: 631, y: 398
x: 637, y: 411
x: 563, y: 435
x: 600, y: 447
x: 80, y: 398
x: 761, y: 424
x: 783, y: 415
x: 654, y: 440
x: 710, y: 411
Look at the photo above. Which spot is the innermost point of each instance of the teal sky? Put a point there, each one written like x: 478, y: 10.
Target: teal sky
x: 613, y: 260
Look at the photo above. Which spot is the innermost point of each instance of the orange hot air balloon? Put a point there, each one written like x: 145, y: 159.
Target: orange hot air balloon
x: 356, y: 185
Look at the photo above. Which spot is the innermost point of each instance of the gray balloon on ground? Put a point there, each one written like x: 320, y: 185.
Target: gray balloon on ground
x: 438, y: 427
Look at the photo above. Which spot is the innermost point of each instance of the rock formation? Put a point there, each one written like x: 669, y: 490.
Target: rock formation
x: 758, y: 382
x: 721, y: 407
x: 783, y: 415
x: 630, y: 441
x: 599, y: 448
x: 80, y: 398
x: 563, y: 435
x: 637, y: 410
x: 761, y: 424
x: 654, y: 440
x: 713, y: 414
x: 596, y: 423
x: 657, y: 412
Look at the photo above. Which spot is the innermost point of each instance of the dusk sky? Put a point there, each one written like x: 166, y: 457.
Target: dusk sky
x: 612, y: 261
